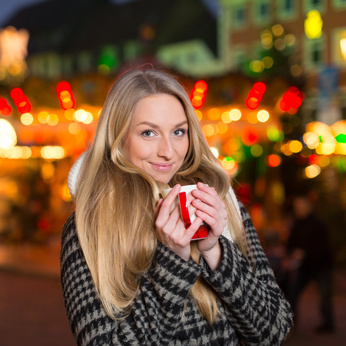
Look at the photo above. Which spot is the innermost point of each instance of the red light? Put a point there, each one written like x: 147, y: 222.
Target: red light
x: 17, y: 94
x: 273, y: 160
x: 63, y: 86
x: 5, y: 108
x: 249, y: 136
x: 201, y: 84
x: 314, y: 159
x: 291, y: 100
x: 198, y: 94
x: 255, y: 95
x: 65, y: 95
x: 20, y: 100
x: 259, y: 87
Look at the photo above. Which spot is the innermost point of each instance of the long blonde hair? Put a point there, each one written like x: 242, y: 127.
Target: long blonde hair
x: 118, y: 236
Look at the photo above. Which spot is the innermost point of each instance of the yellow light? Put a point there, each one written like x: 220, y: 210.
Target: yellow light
x: 312, y: 171
x: 53, y: 120
x: 338, y: 128
x: 69, y: 114
x: 313, y: 25
x: 343, y: 47
x: 26, y: 153
x: 65, y: 193
x: 268, y: 62
x: 65, y: 96
x: 311, y: 140
x: 47, y: 170
x: 52, y: 152
x: 222, y: 128
x: 256, y: 150
x: 235, y: 114
x: 26, y: 119
x: 8, y: 136
x: 239, y: 156
x: 295, y: 146
x: 324, y: 161
x: 214, y: 151
x: 80, y: 115
x: 89, y: 118
x: 266, y: 39
x: 262, y: 116
x: 74, y: 128
x: 43, y: 117
x: 325, y: 148
x: 225, y: 117
x: 213, y: 114
x: 257, y: 66
x: 231, y: 146
x: 290, y: 39
x: 340, y: 148
x: 208, y: 130
x: 103, y: 69
x: 228, y: 163
x: 15, y: 153
x: 199, y: 114
x: 252, y: 117
x: 285, y: 149
x: 277, y: 30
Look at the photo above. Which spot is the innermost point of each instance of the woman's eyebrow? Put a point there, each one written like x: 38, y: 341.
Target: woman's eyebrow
x: 148, y: 123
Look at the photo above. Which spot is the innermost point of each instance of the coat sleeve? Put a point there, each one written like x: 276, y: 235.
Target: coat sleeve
x: 255, y: 305
x: 155, y: 312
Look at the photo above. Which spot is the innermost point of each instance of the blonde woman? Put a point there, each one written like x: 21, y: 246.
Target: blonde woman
x: 130, y: 273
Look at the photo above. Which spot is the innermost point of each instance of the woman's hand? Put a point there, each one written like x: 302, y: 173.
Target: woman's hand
x: 170, y: 227
x: 211, y: 209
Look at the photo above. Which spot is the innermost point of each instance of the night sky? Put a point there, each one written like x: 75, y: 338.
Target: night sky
x: 9, y: 7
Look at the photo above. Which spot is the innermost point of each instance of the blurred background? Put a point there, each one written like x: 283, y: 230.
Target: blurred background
x: 267, y: 79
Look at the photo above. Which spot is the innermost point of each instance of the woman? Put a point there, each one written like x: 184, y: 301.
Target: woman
x: 130, y: 273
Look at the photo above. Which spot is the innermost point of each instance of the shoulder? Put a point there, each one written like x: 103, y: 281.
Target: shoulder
x: 69, y: 240
x: 69, y: 228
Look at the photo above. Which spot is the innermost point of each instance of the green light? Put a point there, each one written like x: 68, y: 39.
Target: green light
x: 341, y: 138
x: 274, y: 134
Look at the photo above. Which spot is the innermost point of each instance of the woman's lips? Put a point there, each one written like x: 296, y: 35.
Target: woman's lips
x: 162, y: 167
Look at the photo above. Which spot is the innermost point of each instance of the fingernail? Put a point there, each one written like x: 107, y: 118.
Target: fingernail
x: 176, y: 187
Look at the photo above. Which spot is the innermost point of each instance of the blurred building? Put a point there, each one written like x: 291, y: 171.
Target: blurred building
x: 81, y: 36
x: 311, y: 33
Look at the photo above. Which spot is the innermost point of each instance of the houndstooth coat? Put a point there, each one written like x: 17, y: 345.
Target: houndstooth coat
x: 253, y: 310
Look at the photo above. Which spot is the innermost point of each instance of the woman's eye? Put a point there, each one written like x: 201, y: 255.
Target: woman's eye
x: 147, y: 133
x: 179, y: 132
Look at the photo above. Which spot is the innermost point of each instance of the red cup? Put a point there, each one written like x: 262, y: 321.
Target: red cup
x: 188, y: 218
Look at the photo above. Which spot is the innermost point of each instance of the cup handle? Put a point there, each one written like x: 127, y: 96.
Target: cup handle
x: 184, y: 209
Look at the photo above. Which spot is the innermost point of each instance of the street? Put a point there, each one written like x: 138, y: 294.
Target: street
x: 32, y: 314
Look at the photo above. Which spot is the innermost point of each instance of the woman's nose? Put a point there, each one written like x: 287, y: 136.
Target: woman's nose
x: 165, y: 148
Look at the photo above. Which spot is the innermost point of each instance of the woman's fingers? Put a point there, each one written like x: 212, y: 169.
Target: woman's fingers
x: 166, y: 207
x: 210, y: 208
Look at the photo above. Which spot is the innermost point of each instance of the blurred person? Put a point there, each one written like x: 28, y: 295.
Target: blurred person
x: 310, y: 259
x: 130, y: 273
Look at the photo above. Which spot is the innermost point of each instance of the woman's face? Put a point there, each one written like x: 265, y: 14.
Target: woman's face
x: 157, y: 140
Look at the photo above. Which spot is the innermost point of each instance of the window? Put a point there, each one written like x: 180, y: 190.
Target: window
x: 314, y: 53
x: 339, y: 46
x: 239, y: 58
x: 287, y: 9
x: 339, y: 4
x: 239, y: 16
x: 319, y: 5
x: 261, y: 12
